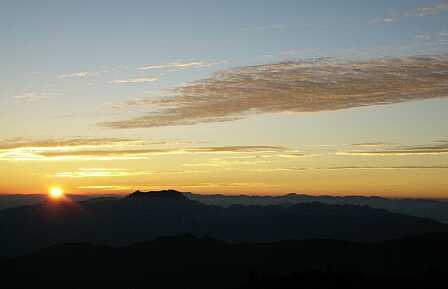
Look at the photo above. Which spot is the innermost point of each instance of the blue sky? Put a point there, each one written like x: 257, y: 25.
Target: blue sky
x: 101, y: 69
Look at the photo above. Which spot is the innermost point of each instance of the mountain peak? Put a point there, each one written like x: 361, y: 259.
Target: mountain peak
x: 164, y: 194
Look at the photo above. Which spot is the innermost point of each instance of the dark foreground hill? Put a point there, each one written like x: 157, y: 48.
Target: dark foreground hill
x: 144, y: 216
x: 190, y: 262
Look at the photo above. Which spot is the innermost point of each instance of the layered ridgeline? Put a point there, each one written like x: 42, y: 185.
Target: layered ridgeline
x: 144, y: 216
x: 434, y: 209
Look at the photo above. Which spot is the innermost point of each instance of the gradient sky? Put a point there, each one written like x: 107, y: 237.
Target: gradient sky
x: 257, y: 97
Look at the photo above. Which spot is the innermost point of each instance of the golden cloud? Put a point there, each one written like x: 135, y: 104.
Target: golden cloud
x: 296, y: 86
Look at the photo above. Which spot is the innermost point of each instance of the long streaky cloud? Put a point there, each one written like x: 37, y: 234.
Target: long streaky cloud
x: 46, y: 144
x: 441, y: 148
x: 297, y: 86
x: 31, y: 97
x: 388, y: 168
x: 81, y: 74
x: 134, y: 80
x: 180, y: 65
x: 109, y: 149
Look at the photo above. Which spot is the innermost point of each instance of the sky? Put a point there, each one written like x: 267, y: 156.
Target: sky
x: 234, y: 97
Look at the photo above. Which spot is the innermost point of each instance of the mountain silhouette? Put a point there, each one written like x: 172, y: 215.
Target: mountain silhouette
x: 172, y: 195
x: 425, y: 208
x: 434, y: 209
x: 142, y: 216
x: 189, y: 262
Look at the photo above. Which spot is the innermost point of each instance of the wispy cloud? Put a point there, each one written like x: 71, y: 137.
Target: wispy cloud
x: 30, y: 97
x: 81, y: 74
x: 369, y: 144
x: 432, y: 9
x: 387, y: 168
x: 108, y: 149
x: 134, y: 80
x: 181, y: 186
x: 297, y: 86
x: 65, y: 143
x: 428, y: 10
x: 145, y: 152
x: 181, y: 65
x: 382, y: 20
x: 107, y: 172
x: 436, y: 149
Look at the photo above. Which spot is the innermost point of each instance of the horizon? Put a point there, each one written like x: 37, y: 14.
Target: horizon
x: 224, y: 97
x: 125, y: 194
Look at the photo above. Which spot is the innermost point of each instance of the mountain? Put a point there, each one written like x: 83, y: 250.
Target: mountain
x: 190, y: 262
x: 15, y: 200
x: 172, y: 195
x: 434, y: 209
x: 144, y: 216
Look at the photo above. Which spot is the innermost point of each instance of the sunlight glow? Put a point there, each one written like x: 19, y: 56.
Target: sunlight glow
x: 56, y: 193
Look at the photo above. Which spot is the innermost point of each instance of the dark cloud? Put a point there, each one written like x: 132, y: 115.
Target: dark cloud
x: 296, y: 86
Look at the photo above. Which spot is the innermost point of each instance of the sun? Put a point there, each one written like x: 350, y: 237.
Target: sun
x: 56, y: 193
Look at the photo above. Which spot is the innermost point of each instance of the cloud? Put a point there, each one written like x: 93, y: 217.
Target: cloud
x: 296, y: 86
x: 433, y: 9
x: 30, y: 97
x: 66, y: 143
x: 429, y: 10
x: 109, y: 149
x: 369, y: 144
x: 134, y: 80
x: 181, y: 65
x: 142, y: 153
x: 386, y: 168
x: 382, y: 20
x: 107, y: 172
x: 440, y: 148
x: 182, y: 186
x: 81, y: 74
x: 26, y: 149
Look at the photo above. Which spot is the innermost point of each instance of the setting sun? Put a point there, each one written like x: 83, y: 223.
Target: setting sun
x: 56, y: 193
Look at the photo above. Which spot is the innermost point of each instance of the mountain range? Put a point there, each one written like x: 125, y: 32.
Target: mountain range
x: 426, y: 208
x: 143, y: 216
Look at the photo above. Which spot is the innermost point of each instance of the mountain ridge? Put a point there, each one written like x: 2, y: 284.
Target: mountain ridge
x: 152, y: 214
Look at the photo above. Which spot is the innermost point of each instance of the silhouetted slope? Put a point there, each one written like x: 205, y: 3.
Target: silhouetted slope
x: 437, y: 210
x: 144, y: 216
x: 189, y: 262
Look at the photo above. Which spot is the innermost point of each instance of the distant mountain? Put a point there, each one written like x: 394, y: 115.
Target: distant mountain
x: 437, y: 210
x: 16, y: 200
x: 143, y: 216
x: 190, y: 262
x: 172, y: 195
